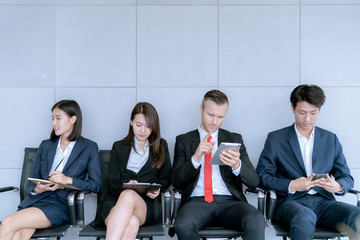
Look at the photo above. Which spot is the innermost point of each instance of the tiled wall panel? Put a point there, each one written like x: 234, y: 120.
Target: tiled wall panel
x: 26, y: 45
x: 25, y: 121
x: 177, y: 46
x: 259, y: 45
x: 330, y: 45
x: 90, y: 54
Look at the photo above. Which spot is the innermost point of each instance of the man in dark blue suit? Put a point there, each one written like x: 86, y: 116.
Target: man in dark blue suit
x: 289, y: 161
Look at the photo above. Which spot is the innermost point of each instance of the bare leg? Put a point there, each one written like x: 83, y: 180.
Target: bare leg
x: 24, y: 234
x: 131, y: 229
x: 22, y: 224
x: 128, y: 206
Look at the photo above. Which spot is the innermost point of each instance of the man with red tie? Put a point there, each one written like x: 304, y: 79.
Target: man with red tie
x: 213, y: 194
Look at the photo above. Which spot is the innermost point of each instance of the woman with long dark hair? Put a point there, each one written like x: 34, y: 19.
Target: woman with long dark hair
x: 66, y: 158
x: 142, y: 156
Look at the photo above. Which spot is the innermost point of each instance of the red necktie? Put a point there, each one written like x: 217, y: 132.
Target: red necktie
x: 207, y: 177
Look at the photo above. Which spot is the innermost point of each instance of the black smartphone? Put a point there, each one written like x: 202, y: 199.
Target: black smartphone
x: 318, y: 176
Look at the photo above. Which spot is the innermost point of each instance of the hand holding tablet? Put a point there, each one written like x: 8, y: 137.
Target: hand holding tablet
x: 224, y: 146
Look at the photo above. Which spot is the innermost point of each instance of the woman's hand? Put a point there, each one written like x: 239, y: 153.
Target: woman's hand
x: 153, y: 194
x: 59, y: 177
x: 133, y: 181
x: 40, y: 187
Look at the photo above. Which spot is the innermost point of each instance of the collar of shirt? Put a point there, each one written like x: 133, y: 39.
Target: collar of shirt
x: 312, y: 134
x: 139, y: 149
x: 214, y: 135
x: 68, y: 148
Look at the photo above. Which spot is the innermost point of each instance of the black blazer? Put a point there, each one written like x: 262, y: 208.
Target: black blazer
x: 184, y: 175
x: 119, y: 174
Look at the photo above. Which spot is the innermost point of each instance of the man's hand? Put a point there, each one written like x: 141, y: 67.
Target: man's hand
x: 59, y: 177
x: 231, y: 158
x: 330, y: 185
x: 305, y: 184
x: 203, y: 148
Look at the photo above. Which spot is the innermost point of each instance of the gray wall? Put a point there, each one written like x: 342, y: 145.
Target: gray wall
x: 110, y: 54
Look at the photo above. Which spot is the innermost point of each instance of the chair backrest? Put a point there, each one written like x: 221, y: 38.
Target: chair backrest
x: 29, y: 159
x: 105, y: 159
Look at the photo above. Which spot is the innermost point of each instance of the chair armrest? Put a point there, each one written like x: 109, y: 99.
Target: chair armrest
x: 270, y: 204
x: 71, y: 205
x: 261, y: 198
x: 167, y: 207
x: 176, y: 206
x: 80, y: 212
x: 357, y: 193
x: 10, y: 188
x: 177, y: 203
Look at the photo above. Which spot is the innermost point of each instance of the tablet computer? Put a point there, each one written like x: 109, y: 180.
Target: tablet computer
x: 141, y: 188
x: 42, y: 181
x: 224, y: 146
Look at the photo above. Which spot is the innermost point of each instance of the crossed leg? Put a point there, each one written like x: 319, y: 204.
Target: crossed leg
x: 125, y: 218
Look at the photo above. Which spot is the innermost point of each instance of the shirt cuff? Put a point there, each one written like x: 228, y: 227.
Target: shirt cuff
x: 342, y: 190
x: 291, y: 192
x: 195, y: 163
x: 236, y: 172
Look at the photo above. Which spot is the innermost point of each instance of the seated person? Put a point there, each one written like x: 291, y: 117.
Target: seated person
x: 289, y: 161
x: 213, y: 193
x: 65, y: 158
x: 142, y: 156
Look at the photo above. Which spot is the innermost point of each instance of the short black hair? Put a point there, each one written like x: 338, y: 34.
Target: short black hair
x: 312, y: 94
x: 71, y: 108
x: 216, y: 96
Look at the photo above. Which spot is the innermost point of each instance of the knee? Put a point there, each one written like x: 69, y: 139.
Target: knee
x: 7, y: 225
x: 255, y: 222
x: 353, y: 218
x: 127, y: 197
x: 305, y: 223
x: 184, y: 226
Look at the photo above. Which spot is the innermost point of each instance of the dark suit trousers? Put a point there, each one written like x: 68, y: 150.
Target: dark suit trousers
x: 304, y: 214
x: 224, y: 211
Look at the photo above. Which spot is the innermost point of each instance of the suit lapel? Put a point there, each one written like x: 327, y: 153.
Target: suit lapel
x: 51, y: 154
x: 221, y: 137
x: 316, y: 165
x: 125, y: 154
x: 78, y: 147
x: 195, y: 140
x: 294, y: 143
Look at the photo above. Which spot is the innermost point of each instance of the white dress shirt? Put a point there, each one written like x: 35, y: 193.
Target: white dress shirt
x: 138, y: 158
x: 62, y: 156
x: 306, y: 147
x: 218, y: 185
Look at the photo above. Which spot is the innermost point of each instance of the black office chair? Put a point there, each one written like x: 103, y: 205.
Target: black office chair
x: 215, y: 231
x: 148, y: 231
x: 29, y: 159
x: 284, y: 232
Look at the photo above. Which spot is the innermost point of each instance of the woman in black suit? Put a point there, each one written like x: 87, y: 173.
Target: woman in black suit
x: 65, y: 158
x: 142, y: 156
